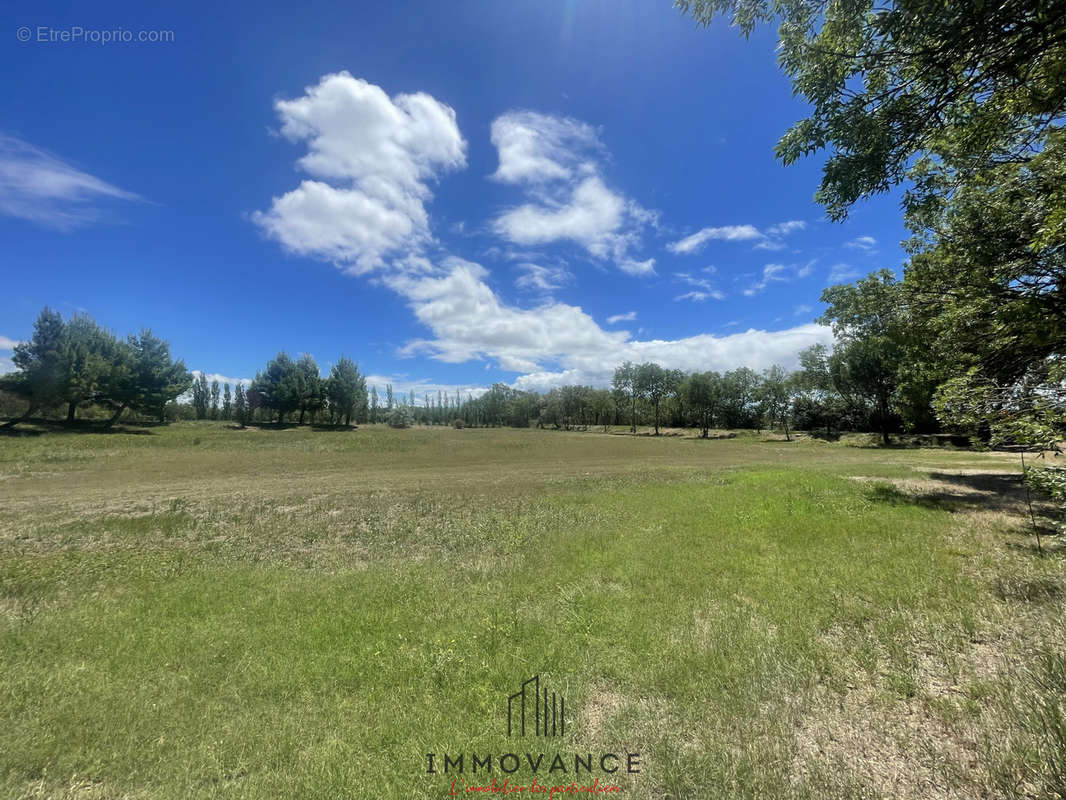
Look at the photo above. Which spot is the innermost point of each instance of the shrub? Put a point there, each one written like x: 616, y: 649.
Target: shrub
x: 1050, y: 481
x: 458, y: 424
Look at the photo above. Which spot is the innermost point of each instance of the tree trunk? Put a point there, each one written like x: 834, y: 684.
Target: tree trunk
x: 71, y: 407
x: 656, y: 419
x: 13, y: 422
x: 116, y: 415
x: 301, y: 420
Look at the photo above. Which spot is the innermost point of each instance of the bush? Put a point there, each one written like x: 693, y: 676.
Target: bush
x: 1050, y: 481
x: 400, y: 417
x: 458, y: 424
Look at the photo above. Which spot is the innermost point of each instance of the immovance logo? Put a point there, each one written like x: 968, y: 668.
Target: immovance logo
x: 534, y: 710
x: 547, y: 720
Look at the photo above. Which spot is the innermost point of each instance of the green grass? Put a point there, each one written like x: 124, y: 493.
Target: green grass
x: 196, y: 611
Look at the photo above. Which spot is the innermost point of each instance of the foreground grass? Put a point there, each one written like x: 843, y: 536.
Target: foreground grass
x: 197, y: 612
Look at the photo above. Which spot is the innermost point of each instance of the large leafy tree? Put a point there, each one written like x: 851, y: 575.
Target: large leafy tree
x: 738, y: 397
x: 987, y: 268
x: 703, y: 392
x: 872, y: 330
x: 938, y: 92
x: 624, y: 384
x: 654, y: 383
x: 775, y: 398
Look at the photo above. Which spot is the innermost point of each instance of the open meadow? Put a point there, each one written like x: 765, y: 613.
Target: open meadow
x: 194, y: 611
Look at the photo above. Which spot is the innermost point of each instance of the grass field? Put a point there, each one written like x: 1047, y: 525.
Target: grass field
x: 197, y: 611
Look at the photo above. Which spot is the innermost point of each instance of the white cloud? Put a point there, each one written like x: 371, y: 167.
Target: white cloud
x: 534, y: 277
x: 842, y: 273
x: 770, y: 239
x: 632, y: 267
x: 470, y: 321
x: 802, y: 309
x: 37, y: 186
x: 778, y: 273
x: 590, y: 216
x: 697, y: 296
x: 554, y: 160
x: 7, y: 343
x: 6, y: 365
x: 862, y: 243
x: 785, y: 228
x: 403, y: 384
x: 222, y: 379
x: 629, y: 316
x: 555, y: 342
x: 371, y: 157
x: 728, y: 233
x: 703, y: 288
x: 537, y: 148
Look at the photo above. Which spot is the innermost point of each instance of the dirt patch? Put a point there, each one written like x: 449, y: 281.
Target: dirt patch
x: 600, y: 707
x: 894, y: 748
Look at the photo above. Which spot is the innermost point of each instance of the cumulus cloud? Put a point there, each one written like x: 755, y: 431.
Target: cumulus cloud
x: 222, y: 379
x: 470, y: 321
x: 370, y: 158
x: 7, y: 343
x: 37, y: 186
x: 758, y: 349
x: 403, y: 385
x: 770, y: 239
x: 554, y: 159
x: 539, y: 147
x: 552, y: 343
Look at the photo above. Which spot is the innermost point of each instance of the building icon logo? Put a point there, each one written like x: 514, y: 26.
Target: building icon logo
x: 547, y: 719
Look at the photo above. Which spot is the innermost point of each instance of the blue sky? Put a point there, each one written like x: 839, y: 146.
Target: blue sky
x: 452, y: 194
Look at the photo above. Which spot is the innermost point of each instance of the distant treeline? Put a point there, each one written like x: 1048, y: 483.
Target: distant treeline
x: 878, y: 375
x: 76, y: 366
